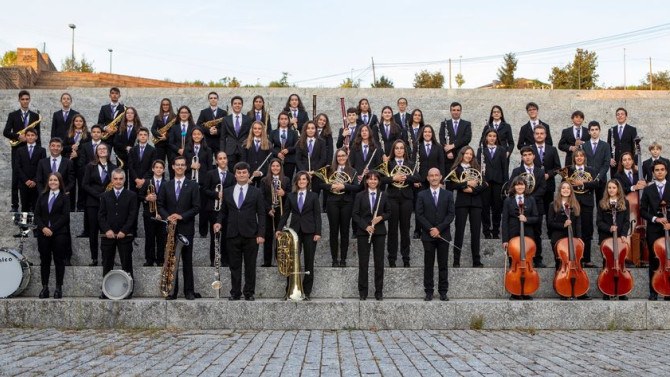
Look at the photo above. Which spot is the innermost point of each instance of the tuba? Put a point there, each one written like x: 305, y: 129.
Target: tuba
x: 163, y: 131
x: 335, y: 177
x: 288, y: 263
x: 171, y: 260
x: 113, y: 126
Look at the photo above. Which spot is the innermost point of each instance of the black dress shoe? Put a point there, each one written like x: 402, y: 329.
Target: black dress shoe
x: 392, y: 264
x: 44, y: 293
x: 14, y: 209
x: 58, y: 292
x: 336, y: 263
x: 478, y: 265
x: 540, y: 265
x: 82, y: 235
x: 653, y: 296
x: 444, y: 297
x: 417, y: 235
x: 103, y: 297
x: 515, y: 297
x: 623, y: 298
x: 93, y: 263
x: 147, y: 264
x: 563, y: 298
x: 456, y: 265
x: 379, y: 296
x: 666, y: 298
x: 606, y: 297
x: 527, y: 298
x: 249, y: 297
x: 495, y: 236
x: 362, y: 297
x: 190, y: 296
x: 306, y: 298
x: 343, y: 263
x: 67, y: 262
x: 487, y: 236
x: 233, y: 298
x: 129, y: 297
x: 429, y: 297
x: 586, y: 297
x: 405, y: 264
x: 266, y: 265
x: 589, y: 265
x: 170, y: 298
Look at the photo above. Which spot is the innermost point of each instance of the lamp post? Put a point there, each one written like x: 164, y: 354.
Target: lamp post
x: 72, y: 26
x: 110, y: 59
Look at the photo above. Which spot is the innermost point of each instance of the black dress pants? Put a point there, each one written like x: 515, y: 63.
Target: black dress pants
x: 242, y: 249
x: 462, y: 214
x: 435, y: 248
x: 401, y: 212
x: 364, y: 247
x: 339, y: 220
x: 52, y: 248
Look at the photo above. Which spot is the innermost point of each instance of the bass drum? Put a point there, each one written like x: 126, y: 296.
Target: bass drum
x: 14, y: 273
x: 117, y: 285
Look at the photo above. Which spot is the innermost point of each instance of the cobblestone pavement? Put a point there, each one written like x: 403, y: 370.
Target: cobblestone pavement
x: 331, y: 353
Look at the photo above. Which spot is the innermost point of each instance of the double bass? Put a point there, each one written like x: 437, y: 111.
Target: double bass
x: 615, y: 279
x: 639, y: 253
x: 661, y: 279
x: 571, y: 280
x: 521, y: 279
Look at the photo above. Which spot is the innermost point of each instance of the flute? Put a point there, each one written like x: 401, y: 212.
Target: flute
x: 379, y: 200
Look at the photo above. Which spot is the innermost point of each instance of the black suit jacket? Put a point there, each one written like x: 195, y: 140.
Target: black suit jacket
x: 309, y: 220
x: 568, y: 140
x: 209, y: 183
x: 363, y: 214
x: 396, y: 193
x: 462, y: 137
x: 430, y: 216
x: 510, y: 218
x: 651, y: 207
x: 626, y: 185
x: 302, y: 117
x: 624, y: 144
x: 350, y: 189
x: 247, y: 221
x: 106, y: 116
x: 86, y: 154
x: 93, y: 185
x: 232, y: 142
x: 118, y: 215
x: 357, y: 160
x: 188, y: 204
x: 59, y: 215
x: 205, y: 116
x: 394, y: 134
x: 205, y: 158
x: 142, y: 194
x: 496, y: 167
x: 255, y: 158
x: 25, y: 166
x: 540, y: 185
x: 586, y: 199
x: 289, y: 143
x: 59, y: 126
x: 158, y: 124
x: 648, y: 172
x: 551, y: 163
x: 66, y: 170
x: 175, y: 140
x: 465, y: 199
x: 318, y: 158
x: 436, y: 159
x: 527, y: 135
x: 604, y: 222
x: 122, y: 141
x: 329, y: 147
x: 556, y: 224
x: 15, y: 124
x: 140, y: 167
x: 505, y: 136
x: 266, y: 190
x: 340, y: 138
x: 600, y: 161
x: 398, y: 119
x: 372, y: 120
x: 252, y: 114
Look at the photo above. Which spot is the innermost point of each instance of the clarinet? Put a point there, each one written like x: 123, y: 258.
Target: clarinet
x: 483, y: 162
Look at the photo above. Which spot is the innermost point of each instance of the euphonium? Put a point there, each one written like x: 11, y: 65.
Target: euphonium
x: 171, y: 259
x: 151, y: 189
x: 113, y: 126
x: 164, y: 130
x: 335, y: 177
x: 195, y: 173
x: 288, y: 263
x: 217, y: 201
x: 17, y: 141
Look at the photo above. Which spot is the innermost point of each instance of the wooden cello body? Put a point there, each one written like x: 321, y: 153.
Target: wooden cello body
x: 570, y: 280
x: 521, y: 279
x: 660, y: 281
x: 614, y: 279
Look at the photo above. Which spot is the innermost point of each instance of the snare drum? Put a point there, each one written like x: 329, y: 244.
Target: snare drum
x: 117, y: 285
x: 14, y: 273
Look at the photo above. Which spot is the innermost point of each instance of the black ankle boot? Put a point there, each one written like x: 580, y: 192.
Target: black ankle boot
x: 58, y: 293
x: 44, y: 293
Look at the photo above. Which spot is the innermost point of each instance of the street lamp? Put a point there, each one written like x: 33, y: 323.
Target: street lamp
x: 110, y: 59
x: 72, y: 26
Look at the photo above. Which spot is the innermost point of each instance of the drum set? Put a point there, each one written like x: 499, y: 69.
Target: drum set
x: 14, y: 267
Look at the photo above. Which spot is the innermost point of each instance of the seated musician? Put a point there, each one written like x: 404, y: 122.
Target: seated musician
x: 606, y: 227
x: 583, y: 179
x: 558, y: 222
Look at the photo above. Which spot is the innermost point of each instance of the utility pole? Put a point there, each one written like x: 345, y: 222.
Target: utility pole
x: 110, y: 59
x: 651, y: 76
x: 72, y: 26
x: 374, y: 74
x: 459, y: 64
x: 624, y: 68
x: 449, y: 73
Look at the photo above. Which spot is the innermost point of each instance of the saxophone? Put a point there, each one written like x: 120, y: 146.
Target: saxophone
x: 171, y: 259
x: 212, y: 123
x: 113, y: 126
x: 163, y: 131
x: 17, y: 141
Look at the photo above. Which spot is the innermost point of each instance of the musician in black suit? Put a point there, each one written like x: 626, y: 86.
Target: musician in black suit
x: 117, y: 217
x: 621, y: 137
x: 598, y: 155
x: 198, y: 157
x: 55, y: 162
x: 125, y: 139
x: 497, y: 122
x: 604, y: 221
x: 179, y: 201
x: 27, y: 160
x: 458, y: 131
x: 154, y: 231
x: 243, y: 212
x: 430, y: 155
x: 140, y: 160
x: 213, y: 193
x: 528, y: 166
x: 275, y: 188
x: 259, y: 113
x: 435, y: 212
x: 305, y: 210
x: 257, y: 151
x: 495, y: 175
x: 389, y: 131
x: 234, y: 131
x: 365, y: 153
x: 310, y: 152
x: 61, y: 120
x: 86, y: 154
x: 655, y: 148
x: 296, y: 112
x: 324, y: 131
x: 283, y: 141
x: 213, y: 112
x: 179, y: 135
x: 110, y: 111
x: 370, y: 211
x: 165, y: 116
x: 350, y: 131
x: 546, y: 156
x: 584, y: 193
x: 651, y: 211
x: 414, y: 127
x: 573, y: 137
x: 557, y: 219
x: 628, y: 175
x: 402, y: 117
x: 76, y: 134
x: 527, y: 131
x: 97, y: 176
x: 17, y: 121
x: 52, y: 219
x: 365, y: 115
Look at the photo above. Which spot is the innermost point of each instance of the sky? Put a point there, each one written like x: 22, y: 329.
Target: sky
x: 321, y: 43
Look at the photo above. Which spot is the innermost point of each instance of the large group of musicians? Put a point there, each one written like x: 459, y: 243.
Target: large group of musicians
x: 246, y: 178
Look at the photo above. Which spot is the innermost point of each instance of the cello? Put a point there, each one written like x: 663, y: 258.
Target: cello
x: 614, y: 279
x: 521, y: 279
x: 571, y: 280
x: 639, y: 253
x: 661, y: 279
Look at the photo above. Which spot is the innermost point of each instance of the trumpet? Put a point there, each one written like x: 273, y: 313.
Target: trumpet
x: 195, y: 173
x: 113, y: 126
x: 217, y: 201
x: 151, y: 189
x: 335, y: 177
x: 163, y: 131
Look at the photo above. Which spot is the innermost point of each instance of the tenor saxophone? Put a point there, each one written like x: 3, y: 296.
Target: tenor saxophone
x: 17, y: 141
x: 212, y: 123
x: 113, y: 126
x: 163, y: 131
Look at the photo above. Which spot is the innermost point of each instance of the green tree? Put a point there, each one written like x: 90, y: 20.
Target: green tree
x: 230, y: 82
x: 425, y: 79
x: 506, y: 71
x: 579, y: 74
x: 8, y: 59
x: 72, y: 65
x: 281, y: 83
x: 459, y: 80
x: 661, y: 81
x: 383, y: 82
x: 348, y: 83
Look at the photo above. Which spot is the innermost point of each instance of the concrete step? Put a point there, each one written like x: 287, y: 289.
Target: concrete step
x: 332, y: 314
x: 329, y: 282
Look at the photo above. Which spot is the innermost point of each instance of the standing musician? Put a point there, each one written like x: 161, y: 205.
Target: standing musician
x: 583, y: 192
x: 365, y: 115
x: 256, y: 150
x: 621, y: 137
x: 27, y: 160
x: 573, y: 137
x: 389, y: 131
x: 370, y: 211
x: 339, y: 205
x: 198, y: 156
x: 428, y: 154
x: 110, y: 111
x: 528, y: 166
x: 455, y: 133
x: 179, y: 135
x: 402, y: 117
x: 305, y: 210
x: 650, y: 205
x: 86, y: 155
x: 214, y: 193
x: 154, y: 231
x: 435, y: 213
x: 606, y: 227
x: 234, y: 131
x: 62, y: 119
x: 347, y: 135
x: 259, y: 113
x: 125, y: 139
x: 325, y: 133
x: 495, y: 176
x: 274, y: 187
x: 558, y: 222
x: 546, y: 156
x: 598, y: 155
x: 211, y: 114
x: 400, y: 193
x: 655, y: 149
x: 310, y: 153
x: 53, y: 163
x: 165, y: 115
x: 468, y: 203
x: 179, y: 202
x: 97, y: 176
x: 117, y: 217
x: 512, y: 219
x: 497, y: 122
x: 16, y: 122
x: 296, y: 112
x: 140, y: 160
x: 416, y: 123
x: 52, y: 219
x: 243, y: 211
x: 627, y: 174
x: 75, y: 135
x: 527, y: 131
x: 283, y: 141
x: 365, y: 154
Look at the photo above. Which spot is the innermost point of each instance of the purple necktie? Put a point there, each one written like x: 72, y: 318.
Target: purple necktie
x: 25, y: 119
x: 117, y: 194
x: 620, y: 132
x: 51, y: 201
x: 240, y: 198
x: 103, y: 175
x: 365, y: 118
x: 223, y: 177
x: 492, y: 152
x: 455, y: 127
x: 128, y: 132
x: 301, y: 201
x: 141, y: 152
x: 365, y: 152
x: 295, y: 114
x: 54, y: 168
x: 372, y: 201
x: 196, y: 149
x: 427, y: 149
x: 94, y: 148
x: 541, y: 155
x: 158, y: 185
x: 579, y: 133
x: 214, y: 114
x: 630, y: 177
x: 415, y: 131
x: 388, y: 128
x: 237, y: 124
x: 65, y: 116
x: 283, y: 138
x: 310, y: 147
x: 258, y: 115
x: 165, y: 118
x: 77, y: 135
x: 402, y: 120
x: 30, y: 152
x: 529, y: 170
x: 435, y: 197
x: 595, y: 145
x: 258, y: 143
x: 178, y: 190
x: 660, y: 190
